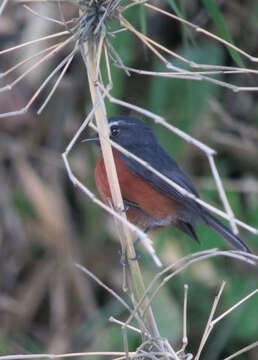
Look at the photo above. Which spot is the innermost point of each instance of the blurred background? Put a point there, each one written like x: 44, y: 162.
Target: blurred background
x: 46, y: 305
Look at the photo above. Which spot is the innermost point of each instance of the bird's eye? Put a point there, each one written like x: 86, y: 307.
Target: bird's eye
x: 115, y: 131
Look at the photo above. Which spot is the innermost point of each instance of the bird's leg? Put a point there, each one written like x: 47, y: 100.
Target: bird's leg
x: 126, y: 207
x: 128, y: 204
x: 122, y: 258
x: 137, y: 241
x: 135, y: 244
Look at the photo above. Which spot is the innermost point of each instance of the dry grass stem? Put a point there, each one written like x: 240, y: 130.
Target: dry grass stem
x: 66, y: 355
x: 252, y: 260
x: 31, y: 42
x: 47, y: 18
x: 185, y: 338
x: 115, y: 295
x: 181, y: 73
x: 167, y: 350
x: 199, y: 29
x: 82, y: 30
x: 242, y: 351
x: 15, y: 67
x: 107, y: 288
x: 90, y: 54
x: 115, y: 321
x: 215, y: 321
x: 186, y: 74
x: 222, y: 194
x: 183, y: 263
x: 2, y: 6
x: 209, y: 324
x: 67, y: 64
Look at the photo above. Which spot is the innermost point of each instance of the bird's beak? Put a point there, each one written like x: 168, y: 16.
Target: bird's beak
x: 94, y: 139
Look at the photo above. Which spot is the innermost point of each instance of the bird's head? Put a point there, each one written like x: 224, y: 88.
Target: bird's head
x: 128, y: 132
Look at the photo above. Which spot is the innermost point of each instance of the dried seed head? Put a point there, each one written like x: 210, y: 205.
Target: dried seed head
x: 95, y: 15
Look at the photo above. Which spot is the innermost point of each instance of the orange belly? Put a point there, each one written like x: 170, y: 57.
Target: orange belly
x: 153, y: 208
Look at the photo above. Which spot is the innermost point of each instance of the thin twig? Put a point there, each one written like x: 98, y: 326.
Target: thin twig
x: 199, y: 29
x: 195, y: 75
x: 220, y: 317
x: 70, y: 59
x: 53, y: 36
x: 47, y: 18
x: 209, y: 324
x: 185, y: 338
x: 66, y: 355
x: 16, y: 66
x: 112, y: 292
x: 222, y: 194
x: 115, y: 321
x: 183, y: 263
x: 2, y: 6
x: 242, y: 351
x: 135, y: 277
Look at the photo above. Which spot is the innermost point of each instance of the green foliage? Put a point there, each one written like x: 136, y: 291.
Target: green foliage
x: 123, y: 43
x: 182, y: 102
x: 170, y: 312
x: 22, y: 204
x: 218, y: 19
x: 5, y: 345
x: 180, y: 12
x: 143, y: 21
x: 109, y: 335
x: 246, y: 311
x: 176, y: 9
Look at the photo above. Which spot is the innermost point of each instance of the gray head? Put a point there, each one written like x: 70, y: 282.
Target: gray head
x: 130, y: 133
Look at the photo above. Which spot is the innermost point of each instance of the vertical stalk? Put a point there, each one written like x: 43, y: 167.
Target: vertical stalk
x: 134, y: 276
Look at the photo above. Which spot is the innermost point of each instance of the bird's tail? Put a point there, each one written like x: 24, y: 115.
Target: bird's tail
x: 223, y: 231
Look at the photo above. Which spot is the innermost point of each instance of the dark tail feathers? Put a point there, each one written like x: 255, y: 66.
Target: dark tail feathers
x: 223, y: 231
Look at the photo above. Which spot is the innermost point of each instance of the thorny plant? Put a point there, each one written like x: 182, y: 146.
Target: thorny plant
x: 91, y: 35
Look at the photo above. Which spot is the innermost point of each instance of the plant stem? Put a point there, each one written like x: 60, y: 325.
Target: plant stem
x: 134, y: 276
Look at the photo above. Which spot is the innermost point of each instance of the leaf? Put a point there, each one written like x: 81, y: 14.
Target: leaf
x: 143, y: 19
x: 217, y: 17
x: 186, y: 31
x: 182, y: 102
x: 175, y: 8
x: 123, y: 43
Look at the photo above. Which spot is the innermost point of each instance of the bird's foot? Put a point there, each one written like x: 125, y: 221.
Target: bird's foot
x: 137, y: 254
x: 123, y: 261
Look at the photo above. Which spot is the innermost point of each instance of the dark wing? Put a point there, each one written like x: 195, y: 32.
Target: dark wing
x: 191, y: 211
x: 167, y: 166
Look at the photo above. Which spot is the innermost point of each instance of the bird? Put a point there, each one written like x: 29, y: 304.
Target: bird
x: 150, y: 202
